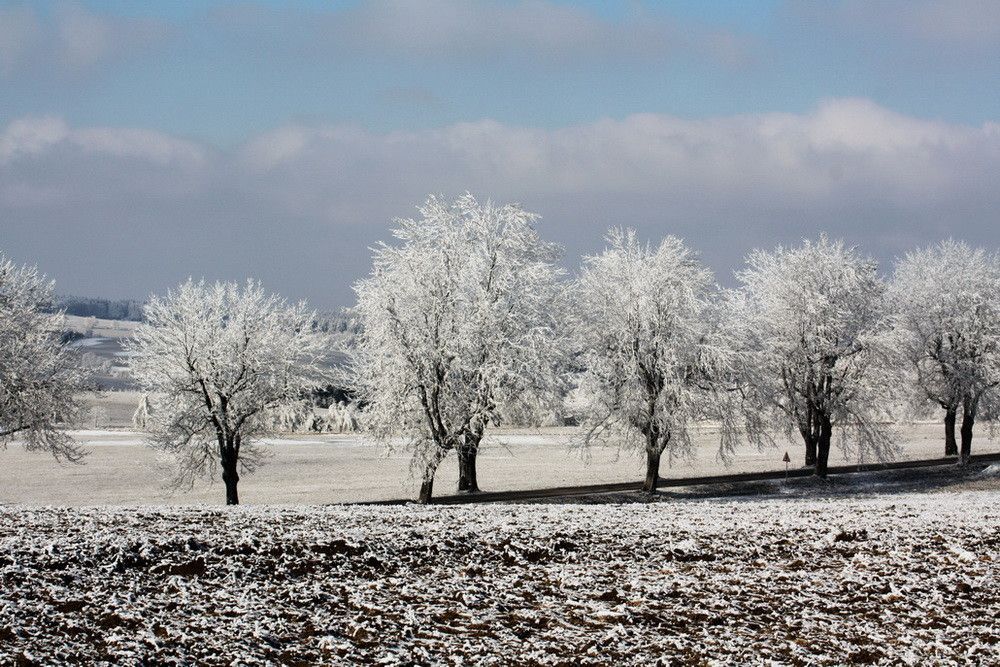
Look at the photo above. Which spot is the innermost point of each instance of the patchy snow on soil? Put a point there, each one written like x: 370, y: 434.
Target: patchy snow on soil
x: 991, y: 472
x: 909, y: 578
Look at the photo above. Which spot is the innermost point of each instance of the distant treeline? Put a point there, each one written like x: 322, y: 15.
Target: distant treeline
x: 131, y: 310
x: 104, y: 309
x: 341, y: 322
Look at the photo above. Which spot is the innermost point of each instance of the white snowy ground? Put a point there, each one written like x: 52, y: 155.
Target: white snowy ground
x: 908, y: 578
x: 328, y: 468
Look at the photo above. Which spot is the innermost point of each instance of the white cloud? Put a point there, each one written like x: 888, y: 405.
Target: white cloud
x: 294, y: 200
x: 37, y: 136
x: 842, y: 144
x: 31, y: 136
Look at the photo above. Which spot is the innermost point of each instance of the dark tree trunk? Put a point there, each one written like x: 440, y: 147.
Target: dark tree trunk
x: 426, y: 490
x: 231, y: 479
x: 427, y: 483
x: 652, y: 470
x: 950, y: 444
x: 810, y: 431
x: 968, y: 421
x: 229, y: 459
x: 810, y: 440
x: 467, y: 479
x: 823, y: 446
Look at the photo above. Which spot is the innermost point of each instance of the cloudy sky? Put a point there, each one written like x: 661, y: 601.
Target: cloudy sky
x: 141, y: 143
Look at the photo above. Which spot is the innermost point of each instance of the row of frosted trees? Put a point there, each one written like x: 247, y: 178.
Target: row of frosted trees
x: 467, y: 320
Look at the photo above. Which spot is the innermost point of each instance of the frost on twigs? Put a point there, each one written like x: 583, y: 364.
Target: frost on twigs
x: 903, y: 579
x: 946, y: 300
x: 654, y: 356
x: 816, y: 353
x: 39, y: 376
x: 458, y: 330
x: 216, y: 363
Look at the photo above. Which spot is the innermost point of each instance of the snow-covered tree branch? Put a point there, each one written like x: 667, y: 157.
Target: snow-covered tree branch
x: 459, y: 325
x: 216, y: 361
x: 815, y: 351
x: 947, y: 305
x: 39, y: 376
x: 653, y: 355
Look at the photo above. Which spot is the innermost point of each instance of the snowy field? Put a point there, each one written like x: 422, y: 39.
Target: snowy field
x: 323, y: 469
x: 909, y: 578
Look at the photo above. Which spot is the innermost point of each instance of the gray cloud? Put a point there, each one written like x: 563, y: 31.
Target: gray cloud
x: 410, y: 97
x: 963, y: 24
x: 69, y: 40
x: 19, y: 31
x: 538, y: 31
x: 125, y: 211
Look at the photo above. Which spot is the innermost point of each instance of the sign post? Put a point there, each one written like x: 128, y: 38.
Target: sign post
x: 787, y: 460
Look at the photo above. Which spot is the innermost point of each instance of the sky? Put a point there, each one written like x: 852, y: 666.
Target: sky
x: 143, y: 143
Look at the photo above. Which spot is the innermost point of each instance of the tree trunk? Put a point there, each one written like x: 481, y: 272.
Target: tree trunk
x: 823, y: 445
x: 652, y: 470
x: 467, y: 482
x: 968, y: 421
x: 231, y: 479
x: 807, y: 437
x: 426, y: 490
x: 810, y: 431
x: 229, y: 459
x: 427, y: 483
x: 467, y: 479
x: 950, y: 444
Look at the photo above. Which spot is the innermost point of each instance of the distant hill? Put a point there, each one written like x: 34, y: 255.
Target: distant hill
x: 97, y: 329
x: 100, y: 344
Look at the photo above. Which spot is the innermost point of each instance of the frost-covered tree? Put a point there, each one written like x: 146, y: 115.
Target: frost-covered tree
x: 342, y: 417
x: 947, y: 304
x: 140, y: 417
x: 216, y: 361
x: 39, y: 376
x: 458, y: 324
x: 654, y: 355
x: 815, y: 351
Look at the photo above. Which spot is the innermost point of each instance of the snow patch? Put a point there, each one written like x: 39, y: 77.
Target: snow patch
x: 992, y: 471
